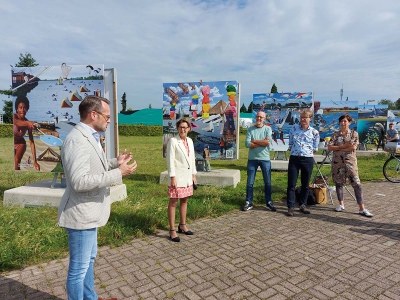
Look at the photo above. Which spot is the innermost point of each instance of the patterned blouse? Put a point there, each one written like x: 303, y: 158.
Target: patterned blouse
x: 344, y: 163
x: 303, y: 142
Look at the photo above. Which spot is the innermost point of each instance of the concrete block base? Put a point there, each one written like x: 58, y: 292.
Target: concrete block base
x: 280, y: 165
x: 215, y: 177
x: 41, y: 194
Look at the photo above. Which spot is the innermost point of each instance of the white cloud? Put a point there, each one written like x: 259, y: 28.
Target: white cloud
x: 307, y: 45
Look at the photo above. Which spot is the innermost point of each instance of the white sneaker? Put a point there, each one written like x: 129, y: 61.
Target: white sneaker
x: 340, y: 208
x: 366, y: 213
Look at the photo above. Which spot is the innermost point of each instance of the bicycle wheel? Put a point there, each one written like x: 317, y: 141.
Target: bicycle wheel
x: 391, y: 169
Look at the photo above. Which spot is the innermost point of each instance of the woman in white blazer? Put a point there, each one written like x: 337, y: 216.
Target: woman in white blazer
x: 181, y: 165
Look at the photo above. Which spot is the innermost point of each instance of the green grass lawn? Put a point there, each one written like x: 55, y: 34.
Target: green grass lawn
x: 31, y: 235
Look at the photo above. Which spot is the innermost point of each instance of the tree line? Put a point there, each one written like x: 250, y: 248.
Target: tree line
x: 26, y: 60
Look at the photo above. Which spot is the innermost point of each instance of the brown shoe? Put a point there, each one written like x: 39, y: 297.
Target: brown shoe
x: 304, y: 209
x: 290, y: 212
x: 108, y: 299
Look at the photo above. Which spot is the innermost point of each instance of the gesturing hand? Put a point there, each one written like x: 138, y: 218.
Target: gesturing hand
x: 127, y: 169
x: 124, y: 157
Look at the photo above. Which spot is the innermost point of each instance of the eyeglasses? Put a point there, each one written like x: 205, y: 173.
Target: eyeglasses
x: 106, y: 117
x: 183, y: 127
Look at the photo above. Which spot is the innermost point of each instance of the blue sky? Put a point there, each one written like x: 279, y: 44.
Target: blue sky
x: 308, y: 45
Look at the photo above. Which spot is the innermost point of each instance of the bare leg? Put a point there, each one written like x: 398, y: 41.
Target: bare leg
x: 182, y: 212
x: 18, y: 154
x: 171, y: 216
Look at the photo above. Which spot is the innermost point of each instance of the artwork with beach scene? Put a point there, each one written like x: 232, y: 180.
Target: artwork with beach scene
x: 327, y: 114
x: 212, y: 110
x: 372, y: 120
x: 282, y: 111
x: 45, y: 109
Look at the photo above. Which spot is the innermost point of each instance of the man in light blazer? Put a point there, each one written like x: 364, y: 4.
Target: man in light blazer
x: 86, y: 204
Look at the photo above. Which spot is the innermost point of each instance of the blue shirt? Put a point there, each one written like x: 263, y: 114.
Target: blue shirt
x: 256, y: 133
x: 303, y: 142
x: 392, y: 133
x: 95, y: 134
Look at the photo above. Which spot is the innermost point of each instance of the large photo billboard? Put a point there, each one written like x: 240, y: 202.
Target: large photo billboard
x: 45, y: 103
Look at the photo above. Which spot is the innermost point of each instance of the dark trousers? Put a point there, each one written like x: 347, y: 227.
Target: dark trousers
x: 305, y: 166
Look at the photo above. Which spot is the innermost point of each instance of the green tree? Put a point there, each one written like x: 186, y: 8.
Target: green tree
x: 388, y: 102
x: 250, y: 108
x: 274, y: 89
x: 397, y: 104
x: 123, y: 102
x: 26, y: 60
x: 8, y: 111
x: 243, y: 109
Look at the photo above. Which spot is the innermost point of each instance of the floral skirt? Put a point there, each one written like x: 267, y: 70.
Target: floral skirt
x: 180, y: 192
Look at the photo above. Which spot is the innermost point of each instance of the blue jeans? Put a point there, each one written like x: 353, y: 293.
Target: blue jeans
x: 82, y: 246
x: 296, y: 164
x: 252, y: 166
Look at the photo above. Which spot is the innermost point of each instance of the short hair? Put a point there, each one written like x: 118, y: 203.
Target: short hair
x: 307, y: 112
x: 391, y: 124
x: 91, y: 103
x: 345, y: 116
x: 261, y: 112
x: 183, y: 121
x: 22, y: 99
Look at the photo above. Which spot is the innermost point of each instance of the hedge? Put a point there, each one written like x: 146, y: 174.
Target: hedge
x: 6, y: 130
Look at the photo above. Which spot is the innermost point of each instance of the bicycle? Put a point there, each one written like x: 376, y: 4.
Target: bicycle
x: 391, y: 168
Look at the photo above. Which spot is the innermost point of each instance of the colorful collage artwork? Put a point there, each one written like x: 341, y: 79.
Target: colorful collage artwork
x: 211, y: 108
x: 45, y: 103
x: 282, y: 112
x: 327, y: 114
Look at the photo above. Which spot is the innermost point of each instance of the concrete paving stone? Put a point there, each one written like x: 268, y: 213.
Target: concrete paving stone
x: 197, y: 278
x: 151, y: 285
x: 325, y: 254
x: 282, y: 290
x: 157, y: 290
x: 212, y: 297
x: 390, y: 295
x: 208, y: 291
x: 267, y: 294
x: 383, y: 297
x: 218, y: 283
x: 243, y: 294
x: 355, y: 295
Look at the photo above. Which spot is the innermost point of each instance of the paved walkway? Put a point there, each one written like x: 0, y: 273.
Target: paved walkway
x: 248, y: 255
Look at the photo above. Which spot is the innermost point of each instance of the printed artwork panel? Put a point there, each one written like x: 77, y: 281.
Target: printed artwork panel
x: 282, y: 112
x: 45, y: 103
x: 212, y: 110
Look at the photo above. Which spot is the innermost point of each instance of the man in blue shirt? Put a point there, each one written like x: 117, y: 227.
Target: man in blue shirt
x: 258, y: 140
x: 303, y: 142
x: 392, y: 134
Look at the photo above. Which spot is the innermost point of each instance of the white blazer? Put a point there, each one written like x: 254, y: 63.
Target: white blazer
x: 181, y: 165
